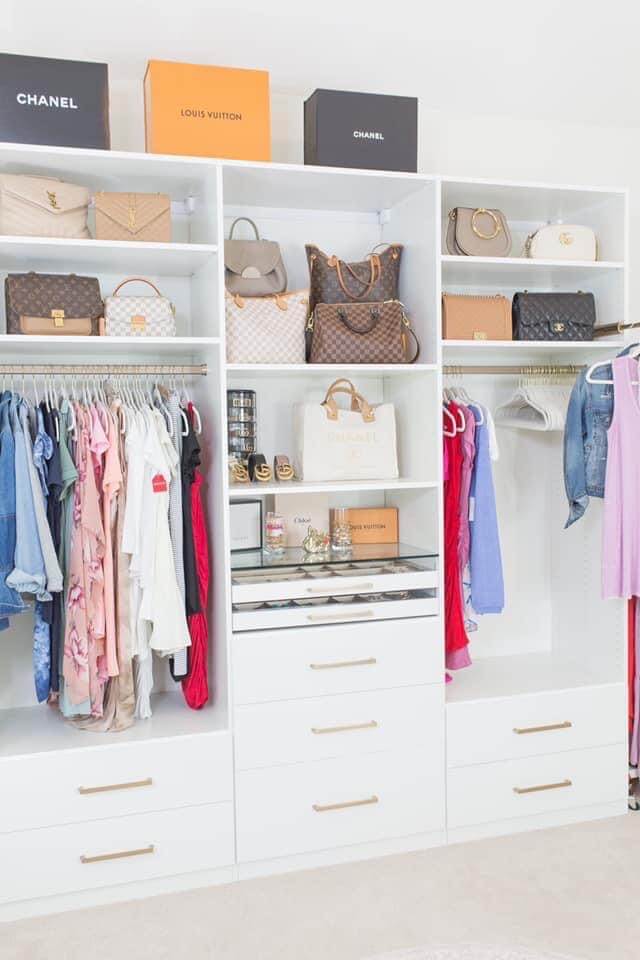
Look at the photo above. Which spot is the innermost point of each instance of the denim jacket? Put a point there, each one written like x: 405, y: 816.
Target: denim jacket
x: 585, y: 439
x: 10, y: 601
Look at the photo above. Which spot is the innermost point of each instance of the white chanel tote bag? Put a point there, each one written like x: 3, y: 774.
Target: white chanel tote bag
x: 266, y: 329
x: 334, y: 444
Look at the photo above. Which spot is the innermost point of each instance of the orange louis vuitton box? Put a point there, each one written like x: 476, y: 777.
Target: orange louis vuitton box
x: 373, y: 524
x: 202, y: 111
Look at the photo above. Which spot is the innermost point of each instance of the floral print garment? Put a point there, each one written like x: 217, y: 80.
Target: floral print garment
x: 84, y: 629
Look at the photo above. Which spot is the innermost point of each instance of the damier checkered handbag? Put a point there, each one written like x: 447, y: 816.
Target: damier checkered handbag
x: 362, y: 333
x: 146, y: 316
x: 266, y: 329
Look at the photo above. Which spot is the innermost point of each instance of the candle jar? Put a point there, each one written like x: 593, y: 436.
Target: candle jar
x: 341, y: 540
x: 274, y: 533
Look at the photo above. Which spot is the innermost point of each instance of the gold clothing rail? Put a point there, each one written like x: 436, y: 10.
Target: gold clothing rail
x: 107, y: 369
x: 545, y: 370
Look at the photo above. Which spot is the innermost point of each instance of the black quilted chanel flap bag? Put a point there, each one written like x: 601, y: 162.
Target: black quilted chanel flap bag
x: 553, y: 316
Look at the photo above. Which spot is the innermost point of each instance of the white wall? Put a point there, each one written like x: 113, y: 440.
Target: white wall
x: 546, y: 92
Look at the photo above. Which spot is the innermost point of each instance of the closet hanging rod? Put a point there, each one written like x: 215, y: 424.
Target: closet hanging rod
x: 108, y: 369
x: 565, y: 369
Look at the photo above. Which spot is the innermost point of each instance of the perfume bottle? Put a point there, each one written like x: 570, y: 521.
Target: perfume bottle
x: 341, y: 541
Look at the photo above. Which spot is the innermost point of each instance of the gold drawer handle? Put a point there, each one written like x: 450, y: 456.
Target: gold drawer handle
x: 326, y: 807
x: 354, y: 588
x: 370, y: 725
x: 327, y: 617
x: 366, y: 662
x: 543, y: 786
x: 119, y: 855
x: 565, y: 725
x: 109, y: 787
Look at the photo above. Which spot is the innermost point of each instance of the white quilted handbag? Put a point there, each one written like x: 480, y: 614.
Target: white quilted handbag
x: 42, y: 207
x: 266, y: 329
x: 152, y: 316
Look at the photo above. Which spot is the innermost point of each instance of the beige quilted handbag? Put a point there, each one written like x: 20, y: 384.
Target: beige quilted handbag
x: 133, y: 216
x: 152, y: 316
x: 42, y: 207
x: 266, y: 329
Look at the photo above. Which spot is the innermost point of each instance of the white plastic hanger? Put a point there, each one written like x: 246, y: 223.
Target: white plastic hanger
x: 607, y: 363
x: 449, y: 416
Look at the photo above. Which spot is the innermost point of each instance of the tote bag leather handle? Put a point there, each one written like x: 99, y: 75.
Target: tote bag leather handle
x: 368, y: 285
x: 358, y: 402
x: 373, y: 322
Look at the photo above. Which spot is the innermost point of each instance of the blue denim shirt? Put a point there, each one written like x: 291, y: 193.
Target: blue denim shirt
x: 585, y: 439
x: 10, y: 600
x: 28, y: 574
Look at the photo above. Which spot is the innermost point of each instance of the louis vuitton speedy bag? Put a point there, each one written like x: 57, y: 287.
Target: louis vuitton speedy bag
x: 139, y: 316
x: 554, y: 316
x: 266, y: 329
x: 52, y: 304
x: 42, y: 207
x: 374, y: 279
x: 133, y: 216
x: 361, y: 333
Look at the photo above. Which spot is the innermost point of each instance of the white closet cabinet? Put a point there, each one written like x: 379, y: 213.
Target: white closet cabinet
x: 330, y: 734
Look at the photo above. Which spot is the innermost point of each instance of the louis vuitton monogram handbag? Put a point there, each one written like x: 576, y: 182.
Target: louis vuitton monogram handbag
x: 335, y: 281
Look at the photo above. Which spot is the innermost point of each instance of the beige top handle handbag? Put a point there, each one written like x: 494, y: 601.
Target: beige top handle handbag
x: 140, y: 316
x: 478, y: 232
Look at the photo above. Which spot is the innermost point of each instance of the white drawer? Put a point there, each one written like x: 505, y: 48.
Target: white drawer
x: 488, y: 792
x: 347, y: 725
x: 290, y: 664
x: 423, y: 604
x: 243, y: 591
x: 531, y: 724
x: 41, y: 863
x: 333, y: 803
x: 88, y: 784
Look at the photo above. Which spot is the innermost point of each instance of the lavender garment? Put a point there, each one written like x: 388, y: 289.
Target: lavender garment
x: 621, y: 521
x: 634, y: 748
x: 487, y: 582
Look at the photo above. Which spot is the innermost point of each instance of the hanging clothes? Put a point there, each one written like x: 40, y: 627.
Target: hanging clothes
x: 456, y: 639
x: 621, y: 520
x: 196, y: 685
x: 97, y: 499
x: 485, y: 562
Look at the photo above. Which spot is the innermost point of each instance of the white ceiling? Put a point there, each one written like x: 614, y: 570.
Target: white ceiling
x: 568, y: 60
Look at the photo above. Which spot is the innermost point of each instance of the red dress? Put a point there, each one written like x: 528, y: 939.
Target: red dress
x: 195, y: 686
x: 456, y: 638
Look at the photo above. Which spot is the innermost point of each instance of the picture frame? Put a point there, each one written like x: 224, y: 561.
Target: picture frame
x: 245, y: 525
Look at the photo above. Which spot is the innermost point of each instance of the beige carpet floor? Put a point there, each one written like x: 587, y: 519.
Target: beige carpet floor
x: 573, y: 890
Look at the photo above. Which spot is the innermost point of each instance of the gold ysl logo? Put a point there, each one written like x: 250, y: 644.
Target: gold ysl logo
x: 565, y: 239
x: 132, y: 216
x: 53, y: 200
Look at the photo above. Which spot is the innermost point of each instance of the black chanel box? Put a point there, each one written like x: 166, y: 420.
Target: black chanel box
x: 364, y: 130
x: 64, y: 103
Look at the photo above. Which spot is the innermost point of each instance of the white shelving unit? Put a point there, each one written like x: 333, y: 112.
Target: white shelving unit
x: 247, y: 772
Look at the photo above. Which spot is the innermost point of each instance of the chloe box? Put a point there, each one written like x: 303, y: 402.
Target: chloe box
x: 204, y: 111
x: 301, y: 511
x: 62, y: 103
x: 364, y: 130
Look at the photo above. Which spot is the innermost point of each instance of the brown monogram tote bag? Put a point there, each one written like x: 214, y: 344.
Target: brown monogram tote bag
x: 371, y: 280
